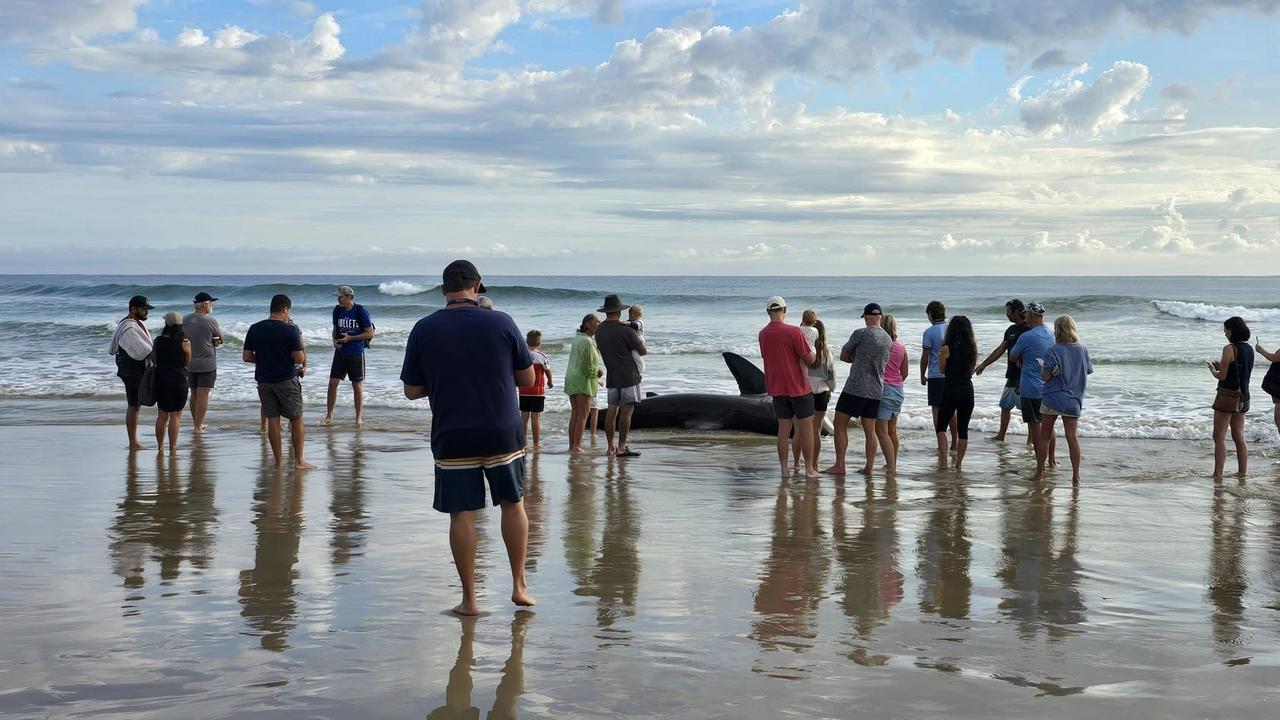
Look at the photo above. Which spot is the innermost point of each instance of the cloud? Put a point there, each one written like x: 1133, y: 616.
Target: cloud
x: 1055, y: 57
x: 1074, y: 106
x: 40, y: 21
x: 1241, y: 197
x: 1178, y: 91
x: 1170, y: 234
x: 454, y: 31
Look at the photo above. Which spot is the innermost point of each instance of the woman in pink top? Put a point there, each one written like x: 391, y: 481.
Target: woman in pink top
x: 895, y: 374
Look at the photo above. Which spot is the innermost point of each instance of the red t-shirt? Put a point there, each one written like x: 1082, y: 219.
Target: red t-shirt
x: 539, y: 387
x: 784, y: 347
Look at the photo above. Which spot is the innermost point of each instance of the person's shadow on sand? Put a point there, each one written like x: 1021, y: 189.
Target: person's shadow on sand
x: 457, y: 695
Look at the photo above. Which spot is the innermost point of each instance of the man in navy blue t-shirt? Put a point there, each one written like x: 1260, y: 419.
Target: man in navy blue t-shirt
x: 352, y: 328
x: 468, y: 362
x: 274, y: 346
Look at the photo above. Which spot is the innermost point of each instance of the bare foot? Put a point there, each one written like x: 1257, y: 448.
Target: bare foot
x: 1075, y: 479
x: 303, y: 465
x: 890, y: 468
x: 786, y: 472
x: 1038, y: 476
x: 611, y: 451
x: 812, y: 474
x: 466, y: 609
x: 834, y: 470
x: 864, y: 470
x: 997, y: 438
x: 521, y: 597
x: 173, y: 451
x: 326, y: 421
x: 137, y: 446
x: 359, y: 422
x: 198, y: 429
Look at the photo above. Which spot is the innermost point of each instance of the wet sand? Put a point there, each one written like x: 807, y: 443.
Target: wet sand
x: 688, y: 583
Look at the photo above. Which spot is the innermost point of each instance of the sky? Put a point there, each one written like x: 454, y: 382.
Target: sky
x: 647, y: 137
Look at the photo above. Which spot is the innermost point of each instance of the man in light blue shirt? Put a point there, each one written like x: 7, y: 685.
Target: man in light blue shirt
x: 930, y: 374
x: 1029, y: 352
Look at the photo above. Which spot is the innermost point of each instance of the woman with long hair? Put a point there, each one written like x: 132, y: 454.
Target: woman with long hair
x: 1232, y: 372
x: 957, y: 360
x: 580, y: 379
x: 895, y: 377
x: 172, y: 355
x: 822, y: 378
x: 1065, y: 371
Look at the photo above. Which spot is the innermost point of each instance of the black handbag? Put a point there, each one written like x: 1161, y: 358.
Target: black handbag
x: 147, y: 386
x: 1271, y: 381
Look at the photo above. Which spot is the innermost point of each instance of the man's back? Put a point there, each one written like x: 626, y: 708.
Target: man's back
x: 466, y: 358
x: 870, y: 347
x: 273, y: 343
x: 932, y: 341
x: 616, y: 340
x: 201, y: 329
x: 783, y: 348
x: 1030, y: 346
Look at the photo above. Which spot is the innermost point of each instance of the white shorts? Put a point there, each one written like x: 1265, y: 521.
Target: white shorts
x: 623, y: 396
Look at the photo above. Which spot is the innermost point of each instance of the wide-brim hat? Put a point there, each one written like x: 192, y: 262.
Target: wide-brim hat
x: 612, y: 304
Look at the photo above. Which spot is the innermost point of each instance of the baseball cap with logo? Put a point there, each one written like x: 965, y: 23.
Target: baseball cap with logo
x: 872, y: 309
x: 463, y: 270
x: 1035, y: 308
x: 344, y: 290
x: 203, y: 296
x: 776, y: 303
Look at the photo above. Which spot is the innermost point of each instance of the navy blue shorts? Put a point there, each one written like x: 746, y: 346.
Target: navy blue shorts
x: 460, y: 482
x: 935, y: 391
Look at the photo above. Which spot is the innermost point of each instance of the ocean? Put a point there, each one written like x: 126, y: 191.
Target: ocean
x: 1149, y: 336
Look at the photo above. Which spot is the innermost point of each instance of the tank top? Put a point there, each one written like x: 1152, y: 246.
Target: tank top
x: 892, y: 369
x: 169, y: 354
x: 1237, y: 376
x: 959, y: 365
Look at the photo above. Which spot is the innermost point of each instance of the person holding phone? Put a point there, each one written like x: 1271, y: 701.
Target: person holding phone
x: 205, y: 334
x: 1232, y: 372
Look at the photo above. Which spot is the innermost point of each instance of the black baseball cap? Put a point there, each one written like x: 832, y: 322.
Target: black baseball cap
x: 872, y: 309
x: 203, y: 296
x: 463, y: 270
x: 140, y: 301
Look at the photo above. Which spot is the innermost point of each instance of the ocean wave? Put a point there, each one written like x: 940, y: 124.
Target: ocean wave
x: 1215, y: 313
x: 400, y: 288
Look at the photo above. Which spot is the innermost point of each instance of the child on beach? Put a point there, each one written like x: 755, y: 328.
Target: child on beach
x: 635, y: 319
x: 533, y: 399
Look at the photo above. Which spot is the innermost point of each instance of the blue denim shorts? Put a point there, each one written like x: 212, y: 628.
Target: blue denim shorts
x: 890, y: 402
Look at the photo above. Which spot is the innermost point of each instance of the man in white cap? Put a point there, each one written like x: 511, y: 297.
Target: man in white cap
x: 352, y: 331
x: 787, y: 357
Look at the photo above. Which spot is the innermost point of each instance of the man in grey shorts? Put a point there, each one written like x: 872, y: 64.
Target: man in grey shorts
x: 206, y: 337
x: 275, y: 348
x: 617, y: 341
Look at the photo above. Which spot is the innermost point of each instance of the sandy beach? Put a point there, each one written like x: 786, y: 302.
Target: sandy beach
x: 688, y: 583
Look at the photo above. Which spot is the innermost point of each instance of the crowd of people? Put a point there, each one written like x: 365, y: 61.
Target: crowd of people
x: 486, y: 382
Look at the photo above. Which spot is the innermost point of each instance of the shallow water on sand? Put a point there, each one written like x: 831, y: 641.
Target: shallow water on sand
x: 688, y: 583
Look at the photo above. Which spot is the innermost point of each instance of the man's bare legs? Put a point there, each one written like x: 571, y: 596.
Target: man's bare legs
x: 330, y: 400
x: 297, y: 434
x: 1005, y: 417
x: 870, y: 443
x: 842, y: 444
x: 273, y: 437
x: 131, y: 427
x: 805, y: 425
x: 462, y: 543
x: 357, y: 390
x: 783, y: 442
x: 199, y: 407
x: 624, y: 426
x: 536, y: 421
x: 610, y: 425
x: 515, y: 535
x: 887, y: 444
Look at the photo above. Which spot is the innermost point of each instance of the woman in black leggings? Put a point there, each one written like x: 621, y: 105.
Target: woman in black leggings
x: 957, y: 359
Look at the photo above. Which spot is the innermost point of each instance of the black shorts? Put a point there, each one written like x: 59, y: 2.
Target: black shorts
x: 935, y: 391
x: 460, y: 483
x: 821, y: 400
x: 858, y: 407
x: 800, y: 407
x: 131, y: 385
x: 347, y: 367
x: 533, y: 403
x: 203, y: 379
x: 1030, y: 410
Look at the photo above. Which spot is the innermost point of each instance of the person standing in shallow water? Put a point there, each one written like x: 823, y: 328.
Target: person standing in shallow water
x: 131, y: 345
x: 787, y: 357
x: 468, y: 362
x: 173, y: 355
x: 352, y: 331
x: 1016, y: 312
x: 205, y: 334
x: 867, y: 352
x: 582, y: 379
x: 1232, y: 372
x: 956, y: 360
x: 1066, y: 371
x: 895, y: 378
x: 274, y: 347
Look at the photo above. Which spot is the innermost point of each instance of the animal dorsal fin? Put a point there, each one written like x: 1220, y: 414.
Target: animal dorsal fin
x: 749, y: 377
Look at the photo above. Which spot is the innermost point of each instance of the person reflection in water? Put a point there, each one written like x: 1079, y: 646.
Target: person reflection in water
x: 457, y: 695
x: 944, y: 552
x: 609, y: 571
x: 1038, y: 567
x: 795, y: 571
x: 266, y: 592
x: 349, y: 525
x: 872, y: 583
x: 1228, y: 580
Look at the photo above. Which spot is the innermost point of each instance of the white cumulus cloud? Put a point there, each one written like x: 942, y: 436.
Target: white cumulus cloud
x: 1075, y: 106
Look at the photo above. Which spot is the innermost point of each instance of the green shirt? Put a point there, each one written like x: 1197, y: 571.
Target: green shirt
x: 584, y: 366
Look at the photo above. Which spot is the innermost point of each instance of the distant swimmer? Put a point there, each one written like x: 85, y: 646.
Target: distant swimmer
x: 468, y: 363
x: 1016, y: 312
x: 274, y: 347
x: 867, y: 351
x: 205, y: 334
x: 956, y: 360
x: 352, y: 332
x: 131, y: 345
x: 1231, y: 404
x: 1066, y: 372
x: 787, y: 357
x: 173, y: 356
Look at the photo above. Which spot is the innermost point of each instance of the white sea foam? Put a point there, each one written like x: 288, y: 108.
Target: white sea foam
x: 400, y: 288
x: 1217, y: 313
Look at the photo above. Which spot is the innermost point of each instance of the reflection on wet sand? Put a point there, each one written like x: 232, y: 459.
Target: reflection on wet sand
x: 1228, y: 580
x: 534, y: 508
x: 943, y: 552
x: 794, y: 573
x: 1038, y: 567
x: 266, y: 592
x: 457, y: 695
x: 871, y: 582
x: 171, y: 525
x: 348, y: 528
x: 611, y: 572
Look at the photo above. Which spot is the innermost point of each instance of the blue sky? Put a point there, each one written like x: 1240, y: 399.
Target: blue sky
x: 634, y: 136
